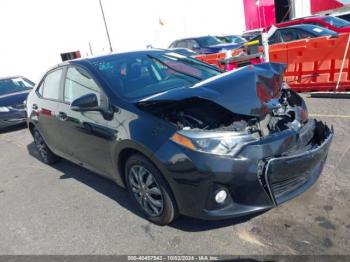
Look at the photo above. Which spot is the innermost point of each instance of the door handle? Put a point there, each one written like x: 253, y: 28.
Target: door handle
x: 62, y: 116
x: 35, y: 107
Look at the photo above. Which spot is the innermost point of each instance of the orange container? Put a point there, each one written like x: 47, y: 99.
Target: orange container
x: 314, y: 64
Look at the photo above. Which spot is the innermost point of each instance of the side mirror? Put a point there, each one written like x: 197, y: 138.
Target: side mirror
x: 88, y: 102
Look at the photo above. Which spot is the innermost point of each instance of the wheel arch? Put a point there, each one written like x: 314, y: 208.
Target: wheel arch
x: 128, y: 149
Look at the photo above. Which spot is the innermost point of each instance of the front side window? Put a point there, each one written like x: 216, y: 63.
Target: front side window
x: 51, y: 85
x: 79, y: 83
x: 140, y: 75
x: 289, y: 35
x: 14, y: 85
x: 181, y: 44
x: 275, y: 38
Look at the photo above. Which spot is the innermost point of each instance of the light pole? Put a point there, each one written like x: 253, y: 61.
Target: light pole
x: 104, y: 20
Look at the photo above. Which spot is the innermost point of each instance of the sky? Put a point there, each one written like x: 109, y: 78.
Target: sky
x: 33, y: 33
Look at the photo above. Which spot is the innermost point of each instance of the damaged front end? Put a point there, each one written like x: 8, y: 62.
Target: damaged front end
x: 253, y: 118
x: 221, y: 114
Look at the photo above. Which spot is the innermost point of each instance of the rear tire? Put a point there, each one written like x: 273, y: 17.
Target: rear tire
x: 46, y: 155
x: 149, y: 189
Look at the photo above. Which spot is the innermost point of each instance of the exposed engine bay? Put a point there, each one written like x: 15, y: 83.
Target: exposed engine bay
x: 201, y: 114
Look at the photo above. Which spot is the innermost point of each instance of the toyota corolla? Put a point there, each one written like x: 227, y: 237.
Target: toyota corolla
x: 180, y: 135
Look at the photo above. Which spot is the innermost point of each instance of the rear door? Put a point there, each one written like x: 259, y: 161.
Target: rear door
x: 87, y: 137
x: 46, y: 108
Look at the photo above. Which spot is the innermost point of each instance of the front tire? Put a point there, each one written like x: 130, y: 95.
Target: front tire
x: 46, y: 155
x: 149, y: 189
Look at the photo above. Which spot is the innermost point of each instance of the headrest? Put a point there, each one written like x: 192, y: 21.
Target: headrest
x: 134, y: 71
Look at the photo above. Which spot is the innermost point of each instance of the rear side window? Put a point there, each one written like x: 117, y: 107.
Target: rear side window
x: 181, y: 44
x: 79, y: 83
x: 50, y: 87
x: 192, y: 44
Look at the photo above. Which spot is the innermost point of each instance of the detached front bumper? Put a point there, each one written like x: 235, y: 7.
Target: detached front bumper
x: 289, y: 176
x: 264, y: 174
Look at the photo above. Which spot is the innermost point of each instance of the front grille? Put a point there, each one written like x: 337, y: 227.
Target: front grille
x: 286, y: 184
x: 288, y: 176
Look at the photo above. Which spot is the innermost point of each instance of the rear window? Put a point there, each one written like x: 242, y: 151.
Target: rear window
x: 14, y: 85
x: 336, y: 22
x: 320, y: 31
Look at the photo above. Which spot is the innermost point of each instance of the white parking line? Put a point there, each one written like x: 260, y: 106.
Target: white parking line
x: 335, y: 116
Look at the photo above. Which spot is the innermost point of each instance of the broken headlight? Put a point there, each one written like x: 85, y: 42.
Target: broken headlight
x: 217, y: 143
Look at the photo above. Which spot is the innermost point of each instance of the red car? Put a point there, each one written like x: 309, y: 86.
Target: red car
x: 333, y: 23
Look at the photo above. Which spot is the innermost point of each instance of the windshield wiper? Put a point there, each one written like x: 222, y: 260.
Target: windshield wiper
x: 172, y: 68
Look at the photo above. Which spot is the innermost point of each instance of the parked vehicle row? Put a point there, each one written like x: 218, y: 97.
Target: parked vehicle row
x: 296, y: 29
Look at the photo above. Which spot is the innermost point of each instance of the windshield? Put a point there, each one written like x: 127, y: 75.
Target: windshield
x: 140, y: 75
x: 318, y: 30
x: 336, y: 22
x: 208, y: 40
x: 236, y: 39
x: 13, y: 85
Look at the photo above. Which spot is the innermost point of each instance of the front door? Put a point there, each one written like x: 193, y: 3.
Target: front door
x: 86, y: 136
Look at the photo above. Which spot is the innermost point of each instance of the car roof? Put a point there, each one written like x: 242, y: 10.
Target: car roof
x: 316, y: 17
x: 195, y: 37
x: 301, y: 19
x: 10, y: 77
x: 88, y: 60
x: 303, y: 26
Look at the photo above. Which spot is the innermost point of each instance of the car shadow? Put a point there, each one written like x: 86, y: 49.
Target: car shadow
x: 13, y: 128
x: 123, y: 198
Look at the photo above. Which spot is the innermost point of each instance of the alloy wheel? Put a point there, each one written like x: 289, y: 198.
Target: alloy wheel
x: 146, y: 190
x: 40, y: 145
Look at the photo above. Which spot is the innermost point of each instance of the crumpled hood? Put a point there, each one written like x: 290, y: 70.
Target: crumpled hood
x: 251, y: 90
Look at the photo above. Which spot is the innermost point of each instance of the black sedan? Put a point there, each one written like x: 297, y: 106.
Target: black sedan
x: 183, y: 137
x: 13, y: 94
